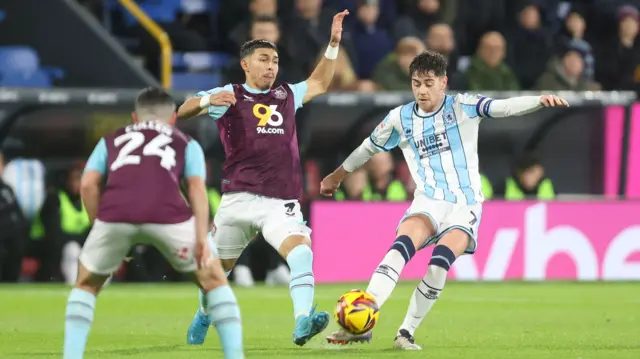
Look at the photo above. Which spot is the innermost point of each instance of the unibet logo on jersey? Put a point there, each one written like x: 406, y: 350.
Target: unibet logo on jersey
x: 268, y: 115
x: 431, y: 145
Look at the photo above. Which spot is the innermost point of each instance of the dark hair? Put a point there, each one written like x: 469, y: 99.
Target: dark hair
x: 154, y: 96
x: 526, y: 161
x: 428, y: 61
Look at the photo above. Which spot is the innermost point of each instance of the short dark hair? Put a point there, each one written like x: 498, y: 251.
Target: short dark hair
x: 428, y: 61
x: 154, y: 96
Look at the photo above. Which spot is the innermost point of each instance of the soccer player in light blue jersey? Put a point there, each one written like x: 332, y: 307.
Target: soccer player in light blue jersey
x: 438, y: 135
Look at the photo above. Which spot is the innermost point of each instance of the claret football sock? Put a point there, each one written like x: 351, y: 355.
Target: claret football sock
x: 301, y: 286
x: 429, y: 289
x: 386, y: 276
x: 78, y: 320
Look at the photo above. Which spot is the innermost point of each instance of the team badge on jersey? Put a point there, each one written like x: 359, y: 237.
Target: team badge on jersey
x: 449, y: 119
x: 280, y: 93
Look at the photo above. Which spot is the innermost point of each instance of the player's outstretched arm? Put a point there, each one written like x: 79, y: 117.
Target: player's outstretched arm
x: 320, y: 80
x: 200, y: 105
x: 518, y: 106
x: 356, y: 159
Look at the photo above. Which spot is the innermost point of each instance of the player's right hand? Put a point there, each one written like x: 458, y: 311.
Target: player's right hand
x: 223, y: 98
x: 329, y: 185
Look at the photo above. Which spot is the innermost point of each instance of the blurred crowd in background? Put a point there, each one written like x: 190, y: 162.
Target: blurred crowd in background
x: 491, y: 45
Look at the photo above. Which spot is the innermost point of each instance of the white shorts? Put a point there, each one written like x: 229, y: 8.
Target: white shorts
x: 241, y: 215
x: 108, y: 244
x: 447, y: 216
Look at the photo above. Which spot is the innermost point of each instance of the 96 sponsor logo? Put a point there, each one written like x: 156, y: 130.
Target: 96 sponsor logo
x: 268, y: 115
x: 270, y: 131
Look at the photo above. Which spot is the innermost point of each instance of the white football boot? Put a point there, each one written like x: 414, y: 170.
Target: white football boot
x: 342, y: 337
x: 405, y: 341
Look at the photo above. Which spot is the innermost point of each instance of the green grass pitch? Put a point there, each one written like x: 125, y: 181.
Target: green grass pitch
x: 471, y: 320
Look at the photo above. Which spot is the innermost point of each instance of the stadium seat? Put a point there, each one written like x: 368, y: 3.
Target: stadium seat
x: 18, y: 59
x: 20, y: 67
x: 195, y: 81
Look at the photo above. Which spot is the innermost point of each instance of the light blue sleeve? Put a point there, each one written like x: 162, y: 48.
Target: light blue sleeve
x: 385, y: 136
x: 216, y: 112
x: 299, y: 91
x: 98, y: 159
x: 194, y: 165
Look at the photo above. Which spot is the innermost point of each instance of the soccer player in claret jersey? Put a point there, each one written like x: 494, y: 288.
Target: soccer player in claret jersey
x: 438, y: 135
x: 144, y: 164
x: 262, y: 178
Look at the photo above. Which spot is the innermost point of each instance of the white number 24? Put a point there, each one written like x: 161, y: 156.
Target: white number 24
x: 158, y: 146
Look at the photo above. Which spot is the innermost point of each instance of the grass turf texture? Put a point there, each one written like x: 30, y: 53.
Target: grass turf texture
x: 471, y: 320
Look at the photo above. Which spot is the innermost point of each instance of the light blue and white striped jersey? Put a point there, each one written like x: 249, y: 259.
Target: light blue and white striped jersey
x: 441, y: 148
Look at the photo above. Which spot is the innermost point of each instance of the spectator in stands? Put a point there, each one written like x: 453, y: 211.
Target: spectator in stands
x: 242, y: 31
x: 345, y: 78
x: 310, y: 28
x: 448, y: 9
x: 440, y: 39
x: 14, y: 232
x: 475, y: 18
x: 372, y: 42
x: 392, y: 73
x: 267, y: 28
x: 530, y: 47
x: 566, y: 74
x: 164, y: 13
x: 387, y: 11
x: 418, y: 19
x: 66, y: 225
x: 573, y: 36
x: 528, y: 180
x: 487, y: 71
x: 619, y: 59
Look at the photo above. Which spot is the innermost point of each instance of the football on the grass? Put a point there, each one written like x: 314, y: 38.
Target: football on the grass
x: 356, y: 312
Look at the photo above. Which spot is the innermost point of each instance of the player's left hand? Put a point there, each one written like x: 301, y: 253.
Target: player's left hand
x: 553, y: 101
x: 336, y: 27
x: 329, y: 185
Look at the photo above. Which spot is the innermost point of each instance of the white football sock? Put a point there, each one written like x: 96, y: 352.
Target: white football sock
x: 424, y: 297
x: 386, y: 276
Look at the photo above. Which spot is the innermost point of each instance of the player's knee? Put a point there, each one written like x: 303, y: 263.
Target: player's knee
x: 457, y: 240
x: 419, y: 228
x: 88, y: 281
x: 442, y: 257
x: 292, y: 242
x: 211, y: 277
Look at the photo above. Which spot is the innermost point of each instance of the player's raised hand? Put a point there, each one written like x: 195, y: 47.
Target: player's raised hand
x: 223, y: 98
x: 553, y: 101
x: 329, y: 185
x: 336, y: 27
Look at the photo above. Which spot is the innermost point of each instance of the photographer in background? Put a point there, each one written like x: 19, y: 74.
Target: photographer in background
x: 13, y: 232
